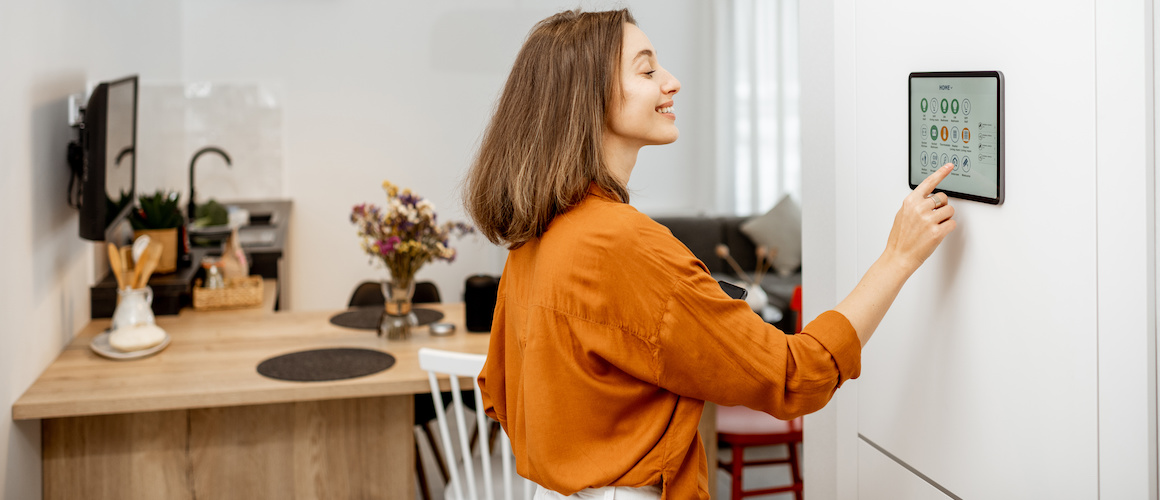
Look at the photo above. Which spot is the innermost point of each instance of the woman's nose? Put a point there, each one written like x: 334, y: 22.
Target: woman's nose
x: 672, y: 86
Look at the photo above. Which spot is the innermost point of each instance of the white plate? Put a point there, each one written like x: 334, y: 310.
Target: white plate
x: 100, y: 345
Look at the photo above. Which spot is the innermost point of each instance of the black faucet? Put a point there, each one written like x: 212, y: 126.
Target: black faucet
x: 128, y: 151
x: 207, y: 149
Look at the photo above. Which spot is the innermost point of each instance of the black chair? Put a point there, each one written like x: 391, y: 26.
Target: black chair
x: 369, y: 294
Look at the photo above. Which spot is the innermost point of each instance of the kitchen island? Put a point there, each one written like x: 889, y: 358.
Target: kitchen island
x: 198, y: 421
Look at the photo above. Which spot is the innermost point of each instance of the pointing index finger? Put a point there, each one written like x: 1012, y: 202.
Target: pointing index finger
x: 933, y: 180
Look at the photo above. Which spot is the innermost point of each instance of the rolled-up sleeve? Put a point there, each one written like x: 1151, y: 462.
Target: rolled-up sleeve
x: 712, y: 347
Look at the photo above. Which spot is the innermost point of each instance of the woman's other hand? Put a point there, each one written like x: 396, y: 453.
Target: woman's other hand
x: 922, y: 222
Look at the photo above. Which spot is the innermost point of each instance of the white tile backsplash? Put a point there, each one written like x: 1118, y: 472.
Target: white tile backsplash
x: 244, y: 120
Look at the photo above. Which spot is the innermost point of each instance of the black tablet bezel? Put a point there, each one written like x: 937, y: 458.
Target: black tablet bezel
x: 1000, y: 176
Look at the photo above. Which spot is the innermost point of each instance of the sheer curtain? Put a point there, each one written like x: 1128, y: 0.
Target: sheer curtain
x: 758, y: 122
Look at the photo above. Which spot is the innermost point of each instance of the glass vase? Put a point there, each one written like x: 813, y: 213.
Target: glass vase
x: 398, y: 317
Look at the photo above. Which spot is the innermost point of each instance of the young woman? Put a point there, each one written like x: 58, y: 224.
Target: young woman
x: 609, y: 334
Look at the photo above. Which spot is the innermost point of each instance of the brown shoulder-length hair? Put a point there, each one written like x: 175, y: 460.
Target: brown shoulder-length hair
x: 543, y: 146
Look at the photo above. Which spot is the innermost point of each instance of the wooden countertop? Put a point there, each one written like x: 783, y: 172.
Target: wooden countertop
x: 212, y: 362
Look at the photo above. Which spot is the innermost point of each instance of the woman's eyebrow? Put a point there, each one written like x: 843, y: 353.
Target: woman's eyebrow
x: 645, y: 52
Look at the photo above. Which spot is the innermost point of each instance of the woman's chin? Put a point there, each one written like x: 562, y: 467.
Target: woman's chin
x: 668, y: 138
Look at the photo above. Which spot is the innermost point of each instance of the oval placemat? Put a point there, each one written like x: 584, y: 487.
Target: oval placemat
x: 367, y: 318
x: 320, y: 365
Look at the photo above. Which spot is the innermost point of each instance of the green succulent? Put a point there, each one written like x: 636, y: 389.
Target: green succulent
x: 157, y: 211
x: 211, y: 214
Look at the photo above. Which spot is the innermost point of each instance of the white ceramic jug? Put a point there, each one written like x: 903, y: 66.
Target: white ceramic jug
x: 134, y: 307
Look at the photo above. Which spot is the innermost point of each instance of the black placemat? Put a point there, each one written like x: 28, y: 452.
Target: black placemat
x: 326, y: 364
x: 368, y: 318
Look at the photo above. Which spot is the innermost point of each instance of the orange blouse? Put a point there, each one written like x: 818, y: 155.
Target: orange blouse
x: 609, y: 336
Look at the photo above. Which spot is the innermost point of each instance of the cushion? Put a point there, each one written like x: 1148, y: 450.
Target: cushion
x: 742, y: 420
x: 780, y: 228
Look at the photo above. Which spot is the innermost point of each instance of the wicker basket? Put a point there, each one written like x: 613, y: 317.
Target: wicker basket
x: 238, y: 293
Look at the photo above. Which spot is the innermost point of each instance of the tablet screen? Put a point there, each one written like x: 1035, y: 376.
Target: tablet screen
x: 957, y: 118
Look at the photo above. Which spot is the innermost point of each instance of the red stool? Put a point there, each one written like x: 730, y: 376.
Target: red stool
x: 740, y: 427
x: 795, y: 305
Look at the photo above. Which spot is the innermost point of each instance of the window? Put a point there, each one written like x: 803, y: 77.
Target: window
x: 761, y: 136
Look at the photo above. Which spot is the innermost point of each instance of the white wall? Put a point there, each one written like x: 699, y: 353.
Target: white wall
x: 50, y: 49
x: 402, y: 91
x: 828, y: 102
x: 1016, y: 363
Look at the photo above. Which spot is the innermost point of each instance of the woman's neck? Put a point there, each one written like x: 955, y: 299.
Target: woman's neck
x: 619, y: 158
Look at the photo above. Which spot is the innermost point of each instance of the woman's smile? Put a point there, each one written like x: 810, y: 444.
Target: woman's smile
x: 666, y: 110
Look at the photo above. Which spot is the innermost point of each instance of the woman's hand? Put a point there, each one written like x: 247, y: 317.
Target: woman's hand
x: 922, y: 222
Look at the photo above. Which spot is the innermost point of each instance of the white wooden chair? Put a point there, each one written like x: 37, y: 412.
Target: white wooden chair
x: 457, y: 364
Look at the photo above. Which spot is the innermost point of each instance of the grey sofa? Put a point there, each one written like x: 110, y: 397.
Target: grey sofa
x: 703, y: 234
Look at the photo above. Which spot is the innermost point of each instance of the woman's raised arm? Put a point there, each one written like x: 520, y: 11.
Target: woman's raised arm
x: 920, y: 225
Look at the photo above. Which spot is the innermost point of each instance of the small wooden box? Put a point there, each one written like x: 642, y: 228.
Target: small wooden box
x: 239, y: 293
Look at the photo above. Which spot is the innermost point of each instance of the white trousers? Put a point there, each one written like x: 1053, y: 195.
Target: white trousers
x: 605, y: 493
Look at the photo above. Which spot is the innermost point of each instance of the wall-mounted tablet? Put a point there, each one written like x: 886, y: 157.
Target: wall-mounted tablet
x: 957, y: 117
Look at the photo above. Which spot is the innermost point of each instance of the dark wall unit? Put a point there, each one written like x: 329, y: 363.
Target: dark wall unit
x: 109, y: 142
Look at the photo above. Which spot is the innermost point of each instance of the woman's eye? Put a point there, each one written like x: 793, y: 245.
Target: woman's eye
x: 649, y: 73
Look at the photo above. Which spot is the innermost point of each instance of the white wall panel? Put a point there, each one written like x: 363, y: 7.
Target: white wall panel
x: 881, y: 478
x: 983, y: 374
x: 1126, y: 364
x: 829, y: 191
x: 1020, y: 362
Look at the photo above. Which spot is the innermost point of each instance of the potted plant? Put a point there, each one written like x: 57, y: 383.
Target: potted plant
x: 159, y: 216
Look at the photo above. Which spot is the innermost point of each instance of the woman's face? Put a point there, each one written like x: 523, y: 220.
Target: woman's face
x: 643, y: 113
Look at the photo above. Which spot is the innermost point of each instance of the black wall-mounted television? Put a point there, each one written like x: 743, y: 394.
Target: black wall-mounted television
x: 109, y: 140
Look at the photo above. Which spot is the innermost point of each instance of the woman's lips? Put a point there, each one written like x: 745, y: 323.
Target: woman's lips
x: 666, y: 110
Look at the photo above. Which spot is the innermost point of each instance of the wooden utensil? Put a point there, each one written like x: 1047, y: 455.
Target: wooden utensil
x: 139, y: 246
x: 148, y: 262
x: 127, y: 266
x: 115, y: 263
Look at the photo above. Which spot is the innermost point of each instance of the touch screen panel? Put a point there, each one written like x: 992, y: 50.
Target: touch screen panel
x: 957, y: 118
